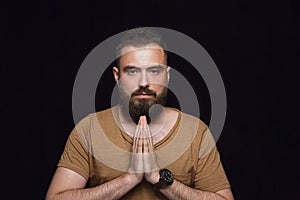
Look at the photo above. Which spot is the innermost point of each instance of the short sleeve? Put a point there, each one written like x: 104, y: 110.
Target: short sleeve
x: 75, y: 155
x: 210, y: 175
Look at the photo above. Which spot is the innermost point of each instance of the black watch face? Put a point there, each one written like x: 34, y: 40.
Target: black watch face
x: 167, y: 176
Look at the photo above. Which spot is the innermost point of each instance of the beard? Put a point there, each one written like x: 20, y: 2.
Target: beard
x: 148, y: 107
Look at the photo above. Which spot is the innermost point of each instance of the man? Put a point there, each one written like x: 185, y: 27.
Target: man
x: 166, y: 154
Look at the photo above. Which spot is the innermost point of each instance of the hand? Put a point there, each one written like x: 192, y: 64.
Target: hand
x: 143, y: 160
x: 151, y: 169
x: 136, y: 164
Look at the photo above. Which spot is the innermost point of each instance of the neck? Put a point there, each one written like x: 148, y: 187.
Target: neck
x: 157, y: 125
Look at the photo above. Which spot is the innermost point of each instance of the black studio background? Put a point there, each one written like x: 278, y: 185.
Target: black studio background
x: 255, y: 45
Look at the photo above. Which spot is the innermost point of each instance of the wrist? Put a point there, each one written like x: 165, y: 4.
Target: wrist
x: 154, y: 177
x: 165, y: 179
x: 133, y: 179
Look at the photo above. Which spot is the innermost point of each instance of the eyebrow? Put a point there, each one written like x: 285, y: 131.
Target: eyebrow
x: 157, y: 66
x: 128, y: 67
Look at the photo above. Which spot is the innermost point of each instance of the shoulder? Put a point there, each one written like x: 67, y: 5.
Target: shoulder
x: 203, y: 140
x: 192, y: 118
x: 90, y: 125
x: 189, y: 120
x: 91, y: 120
x: 103, y: 113
x: 197, y: 127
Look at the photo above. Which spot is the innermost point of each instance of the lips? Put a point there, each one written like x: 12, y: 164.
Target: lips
x: 143, y: 92
x: 143, y: 95
x: 146, y: 94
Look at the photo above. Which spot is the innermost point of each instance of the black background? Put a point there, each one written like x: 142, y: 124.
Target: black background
x: 255, y: 45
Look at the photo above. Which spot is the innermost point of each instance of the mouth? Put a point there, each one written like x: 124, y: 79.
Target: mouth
x: 143, y: 95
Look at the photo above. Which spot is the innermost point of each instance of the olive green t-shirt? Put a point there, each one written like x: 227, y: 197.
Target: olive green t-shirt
x: 100, y: 150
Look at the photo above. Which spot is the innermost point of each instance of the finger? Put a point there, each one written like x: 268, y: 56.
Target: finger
x: 136, y: 138
x: 140, y: 145
x: 149, y: 139
x: 146, y: 145
x: 139, y: 140
x: 142, y: 120
x: 137, y: 129
x: 146, y: 135
x: 146, y: 140
x: 143, y: 132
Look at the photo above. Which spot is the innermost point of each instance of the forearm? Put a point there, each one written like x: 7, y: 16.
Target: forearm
x: 113, y: 189
x: 181, y: 192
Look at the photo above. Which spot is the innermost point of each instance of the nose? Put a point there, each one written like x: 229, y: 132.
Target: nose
x: 143, y: 80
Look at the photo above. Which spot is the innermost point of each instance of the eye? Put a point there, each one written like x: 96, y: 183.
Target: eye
x: 155, y: 71
x: 132, y: 71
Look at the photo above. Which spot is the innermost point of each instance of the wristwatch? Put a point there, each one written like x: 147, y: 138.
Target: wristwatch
x: 166, y: 178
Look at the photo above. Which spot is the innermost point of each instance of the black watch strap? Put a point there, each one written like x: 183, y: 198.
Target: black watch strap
x: 159, y: 185
x: 165, y: 179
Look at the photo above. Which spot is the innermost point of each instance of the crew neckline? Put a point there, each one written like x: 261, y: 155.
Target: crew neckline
x: 129, y: 139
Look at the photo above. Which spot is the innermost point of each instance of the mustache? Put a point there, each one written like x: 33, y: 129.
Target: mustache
x: 143, y: 91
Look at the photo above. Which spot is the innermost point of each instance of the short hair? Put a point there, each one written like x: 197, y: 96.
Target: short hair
x: 140, y: 37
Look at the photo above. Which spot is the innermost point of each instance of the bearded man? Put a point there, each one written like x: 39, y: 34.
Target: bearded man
x: 165, y: 153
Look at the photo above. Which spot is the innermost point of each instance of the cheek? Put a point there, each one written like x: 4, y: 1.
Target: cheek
x: 159, y: 89
x: 161, y: 81
x: 127, y: 86
x: 160, y: 85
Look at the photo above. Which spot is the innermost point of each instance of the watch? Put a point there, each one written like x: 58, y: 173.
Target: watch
x: 166, y: 178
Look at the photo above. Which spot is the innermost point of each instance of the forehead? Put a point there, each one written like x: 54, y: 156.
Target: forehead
x: 144, y: 55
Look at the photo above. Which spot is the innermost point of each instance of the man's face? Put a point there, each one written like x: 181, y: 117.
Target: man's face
x: 142, y: 77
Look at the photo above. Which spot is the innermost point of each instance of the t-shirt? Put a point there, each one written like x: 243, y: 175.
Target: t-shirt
x: 99, y: 149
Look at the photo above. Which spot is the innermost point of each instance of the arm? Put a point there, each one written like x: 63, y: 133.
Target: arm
x: 67, y: 184
x: 180, y: 191
x: 177, y: 190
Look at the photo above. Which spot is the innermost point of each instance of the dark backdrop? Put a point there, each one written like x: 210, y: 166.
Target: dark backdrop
x: 255, y: 45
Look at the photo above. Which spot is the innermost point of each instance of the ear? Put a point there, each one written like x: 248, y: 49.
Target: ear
x: 116, y: 74
x: 168, y: 73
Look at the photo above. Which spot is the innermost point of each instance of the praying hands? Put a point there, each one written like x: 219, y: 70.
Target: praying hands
x: 143, y: 161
